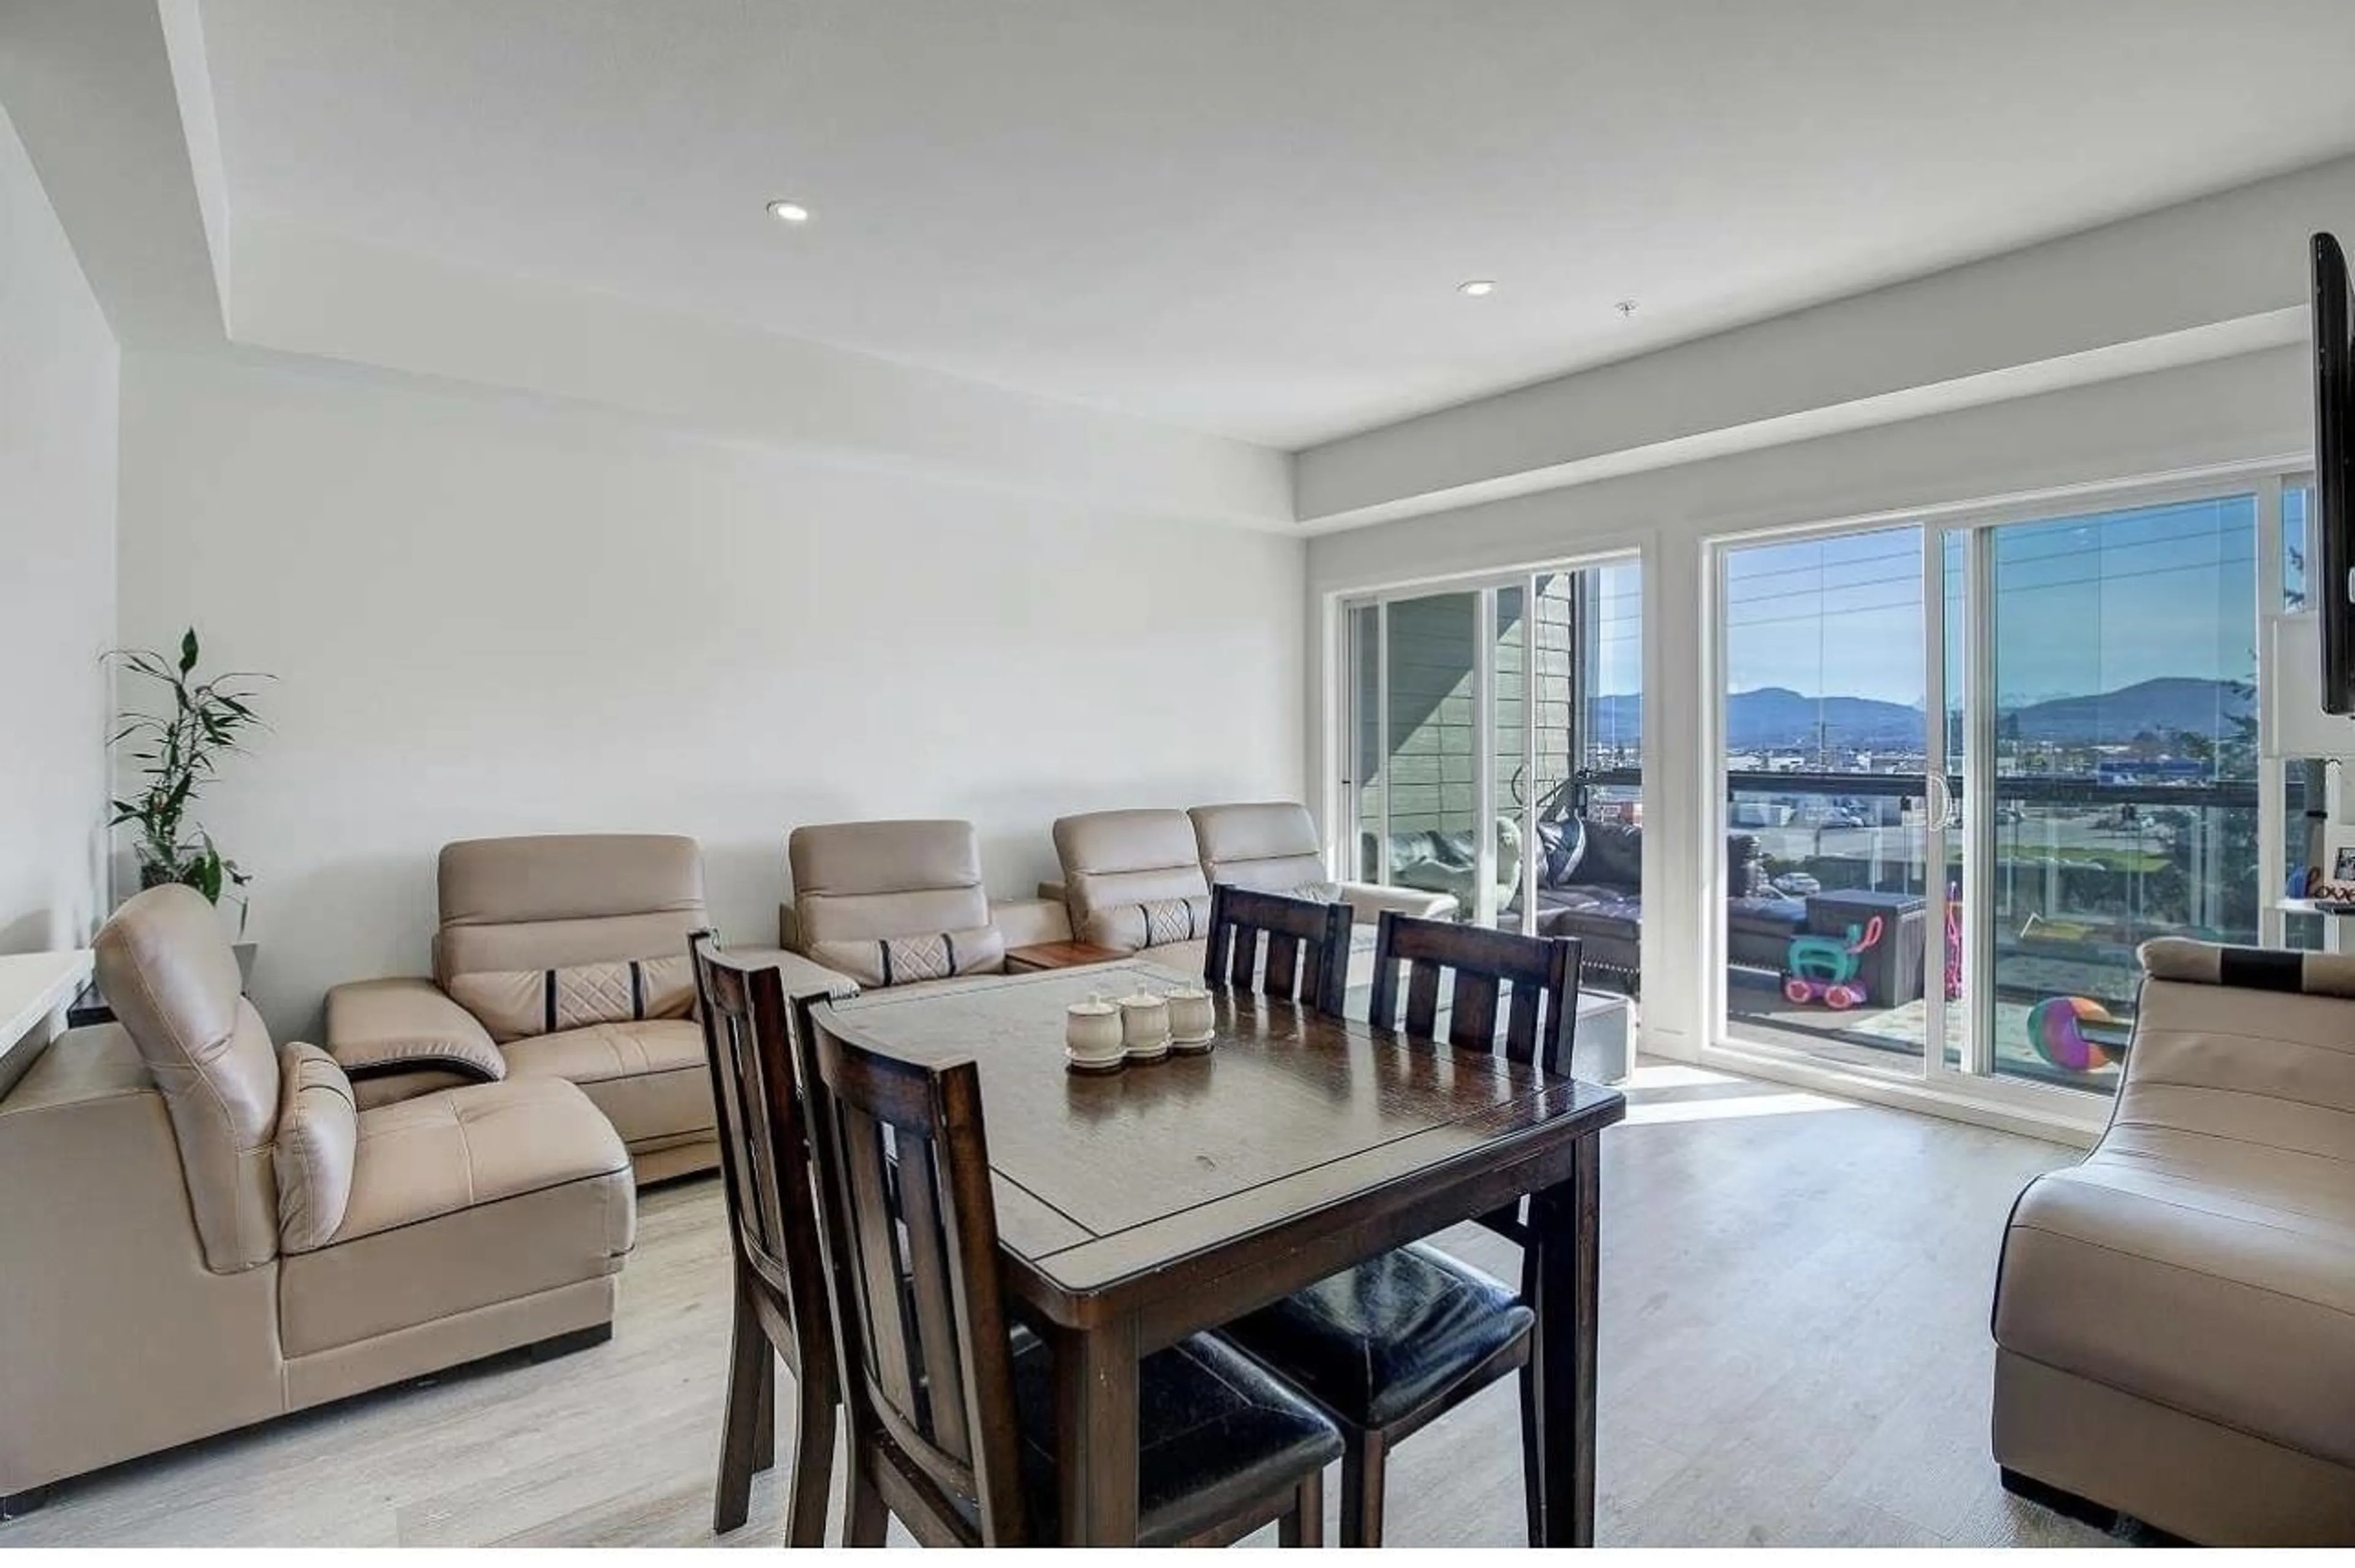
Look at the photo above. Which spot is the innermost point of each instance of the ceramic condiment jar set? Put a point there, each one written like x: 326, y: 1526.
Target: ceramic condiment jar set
x: 1102, y: 1036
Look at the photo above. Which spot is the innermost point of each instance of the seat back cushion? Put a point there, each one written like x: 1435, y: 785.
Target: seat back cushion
x: 169, y: 973
x: 898, y: 960
x: 1614, y: 854
x: 1266, y: 845
x: 1134, y: 878
x: 867, y: 882
x: 2243, y: 1045
x: 318, y: 1139
x: 566, y: 901
x: 513, y: 1004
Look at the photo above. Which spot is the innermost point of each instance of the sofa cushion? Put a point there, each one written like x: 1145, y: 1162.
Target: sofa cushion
x: 1613, y: 853
x: 1151, y: 923
x: 459, y: 1201
x: 899, y: 960
x: 318, y: 1132
x: 561, y: 900
x: 1115, y: 858
x: 2218, y: 1280
x: 1561, y: 844
x: 650, y: 1079
x: 516, y: 1003
x: 867, y: 881
x: 1265, y: 846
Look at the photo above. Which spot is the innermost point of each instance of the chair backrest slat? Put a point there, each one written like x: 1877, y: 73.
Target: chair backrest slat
x: 1307, y: 946
x: 1422, y: 1001
x: 1472, y: 1011
x: 1521, y: 1026
x: 1541, y: 1020
x: 911, y: 1248
x: 763, y: 1146
x: 875, y: 1241
x: 930, y: 1292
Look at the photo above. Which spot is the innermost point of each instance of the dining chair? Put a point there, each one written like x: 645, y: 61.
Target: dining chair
x: 950, y: 1409
x: 780, y: 1304
x: 1308, y: 956
x: 1388, y: 1346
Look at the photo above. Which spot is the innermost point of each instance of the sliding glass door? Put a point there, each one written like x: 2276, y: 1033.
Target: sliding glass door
x: 1982, y: 882
x: 1837, y: 882
x: 2111, y: 768
x: 1485, y: 725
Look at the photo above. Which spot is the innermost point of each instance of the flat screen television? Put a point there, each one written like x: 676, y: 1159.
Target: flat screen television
x: 2330, y: 538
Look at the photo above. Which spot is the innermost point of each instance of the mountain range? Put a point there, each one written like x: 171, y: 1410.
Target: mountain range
x: 1776, y: 716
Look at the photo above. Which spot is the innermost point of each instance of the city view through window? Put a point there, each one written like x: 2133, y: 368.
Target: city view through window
x: 2117, y: 700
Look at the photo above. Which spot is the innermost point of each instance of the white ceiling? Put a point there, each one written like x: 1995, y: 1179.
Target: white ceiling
x: 1248, y: 216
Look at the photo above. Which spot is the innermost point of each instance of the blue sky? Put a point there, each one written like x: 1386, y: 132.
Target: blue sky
x: 2082, y: 605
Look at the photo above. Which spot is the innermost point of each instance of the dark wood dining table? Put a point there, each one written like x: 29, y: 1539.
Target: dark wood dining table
x: 1139, y: 1207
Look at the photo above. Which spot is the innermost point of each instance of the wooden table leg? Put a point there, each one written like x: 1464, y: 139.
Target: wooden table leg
x: 1567, y: 1219
x: 1095, y: 1433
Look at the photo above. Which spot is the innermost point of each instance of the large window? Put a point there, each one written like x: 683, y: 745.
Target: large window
x: 1984, y: 881
x: 1487, y: 726
x: 1828, y: 890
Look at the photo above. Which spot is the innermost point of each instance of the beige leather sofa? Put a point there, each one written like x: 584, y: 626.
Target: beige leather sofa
x: 901, y: 904
x: 2175, y: 1317
x: 1138, y: 880
x: 198, y: 1231
x: 1271, y: 845
x: 559, y: 957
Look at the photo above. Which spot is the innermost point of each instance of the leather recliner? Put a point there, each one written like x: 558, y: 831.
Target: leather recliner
x: 2175, y: 1317
x: 1133, y: 881
x: 202, y: 1230
x: 901, y: 904
x: 558, y: 956
x: 1272, y: 847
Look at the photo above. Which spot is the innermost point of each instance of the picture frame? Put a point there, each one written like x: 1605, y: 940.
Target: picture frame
x: 2338, y: 866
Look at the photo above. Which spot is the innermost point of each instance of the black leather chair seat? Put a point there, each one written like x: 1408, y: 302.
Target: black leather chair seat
x: 1379, y: 1340
x: 1214, y: 1431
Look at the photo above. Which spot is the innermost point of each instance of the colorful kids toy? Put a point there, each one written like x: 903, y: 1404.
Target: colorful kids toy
x: 2062, y: 1028
x: 1954, y: 942
x: 1824, y: 968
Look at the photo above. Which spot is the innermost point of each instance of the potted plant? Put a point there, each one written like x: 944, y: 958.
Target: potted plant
x: 179, y: 749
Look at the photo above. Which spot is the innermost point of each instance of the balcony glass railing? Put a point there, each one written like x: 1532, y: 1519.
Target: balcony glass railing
x: 2080, y: 872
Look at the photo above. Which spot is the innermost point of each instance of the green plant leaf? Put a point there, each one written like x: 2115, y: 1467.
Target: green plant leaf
x: 189, y: 650
x: 205, y: 875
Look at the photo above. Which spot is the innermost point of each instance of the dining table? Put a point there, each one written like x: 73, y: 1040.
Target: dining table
x: 1137, y: 1206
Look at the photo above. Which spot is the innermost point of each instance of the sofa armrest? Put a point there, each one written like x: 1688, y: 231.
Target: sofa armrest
x: 1369, y: 900
x: 379, y: 1027
x: 803, y: 976
x: 1026, y: 923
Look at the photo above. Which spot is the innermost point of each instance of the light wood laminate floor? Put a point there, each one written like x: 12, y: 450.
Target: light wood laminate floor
x: 1794, y: 1346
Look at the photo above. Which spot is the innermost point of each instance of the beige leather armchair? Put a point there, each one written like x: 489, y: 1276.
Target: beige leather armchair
x: 2175, y: 1317
x: 1133, y: 881
x: 200, y: 1231
x: 560, y: 956
x: 1272, y: 847
x: 901, y: 903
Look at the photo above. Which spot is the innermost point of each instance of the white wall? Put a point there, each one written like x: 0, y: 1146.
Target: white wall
x: 492, y: 613
x: 58, y: 370
x: 2250, y: 410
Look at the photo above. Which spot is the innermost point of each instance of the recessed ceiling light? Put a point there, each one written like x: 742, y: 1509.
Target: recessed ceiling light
x: 1477, y: 287
x: 788, y: 211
